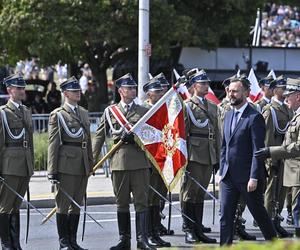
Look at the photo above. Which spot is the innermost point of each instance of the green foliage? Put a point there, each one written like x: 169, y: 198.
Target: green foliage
x: 40, y: 144
x: 219, y: 23
x: 70, y: 30
x: 276, y: 245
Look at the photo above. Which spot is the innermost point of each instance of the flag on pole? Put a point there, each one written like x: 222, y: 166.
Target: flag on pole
x: 272, y: 73
x: 255, y: 90
x: 161, y: 134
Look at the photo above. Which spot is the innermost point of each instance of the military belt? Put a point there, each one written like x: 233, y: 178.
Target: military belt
x: 209, y: 136
x: 75, y: 144
x: 23, y: 144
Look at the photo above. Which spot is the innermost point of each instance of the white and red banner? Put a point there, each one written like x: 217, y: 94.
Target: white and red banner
x: 212, y: 97
x: 161, y: 134
x: 255, y: 90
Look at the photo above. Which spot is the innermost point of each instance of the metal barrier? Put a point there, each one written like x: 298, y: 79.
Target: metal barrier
x: 40, y: 126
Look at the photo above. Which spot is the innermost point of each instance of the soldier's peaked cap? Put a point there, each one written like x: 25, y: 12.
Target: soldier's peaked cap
x: 227, y: 81
x: 200, y: 77
x: 163, y: 80
x: 15, y: 80
x: 279, y: 82
x: 125, y: 81
x: 153, y: 85
x: 292, y: 85
x: 71, y: 84
x: 266, y: 81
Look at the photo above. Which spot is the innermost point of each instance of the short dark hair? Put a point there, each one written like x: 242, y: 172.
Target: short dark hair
x: 245, y: 82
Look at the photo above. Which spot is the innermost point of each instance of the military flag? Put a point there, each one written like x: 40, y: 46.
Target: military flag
x: 161, y: 134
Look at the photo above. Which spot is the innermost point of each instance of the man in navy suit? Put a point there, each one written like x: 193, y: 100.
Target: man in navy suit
x: 241, y: 173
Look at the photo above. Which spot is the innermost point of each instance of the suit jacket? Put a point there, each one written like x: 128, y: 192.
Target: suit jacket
x: 203, y: 150
x: 238, y: 147
x: 127, y: 156
x: 69, y: 159
x: 290, y: 151
x: 17, y: 161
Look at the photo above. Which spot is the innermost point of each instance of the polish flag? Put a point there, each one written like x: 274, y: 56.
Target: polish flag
x: 212, y: 97
x: 255, y: 90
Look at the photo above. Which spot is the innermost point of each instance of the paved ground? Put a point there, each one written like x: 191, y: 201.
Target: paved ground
x: 45, y: 236
x: 99, y: 191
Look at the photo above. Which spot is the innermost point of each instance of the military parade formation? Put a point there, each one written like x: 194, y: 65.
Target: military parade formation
x: 255, y: 148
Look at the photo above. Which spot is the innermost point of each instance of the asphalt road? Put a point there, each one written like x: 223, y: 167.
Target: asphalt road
x: 45, y: 236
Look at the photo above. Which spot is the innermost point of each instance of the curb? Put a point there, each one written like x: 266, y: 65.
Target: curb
x: 94, y: 201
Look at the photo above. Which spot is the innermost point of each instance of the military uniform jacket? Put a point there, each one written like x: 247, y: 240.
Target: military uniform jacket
x: 260, y: 104
x: 203, y: 143
x: 66, y: 154
x: 16, y: 154
x: 127, y: 156
x: 283, y: 115
x: 290, y: 150
x: 223, y: 107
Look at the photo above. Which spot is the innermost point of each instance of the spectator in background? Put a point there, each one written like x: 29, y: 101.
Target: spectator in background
x: 38, y: 105
x: 280, y: 26
x: 53, y: 97
x: 83, y: 81
x: 92, y: 97
x: 50, y: 74
x: 86, y: 76
x: 58, y: 68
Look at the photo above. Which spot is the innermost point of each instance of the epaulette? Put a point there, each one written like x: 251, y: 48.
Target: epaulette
x: 266, y: 107
x: 56, y: 110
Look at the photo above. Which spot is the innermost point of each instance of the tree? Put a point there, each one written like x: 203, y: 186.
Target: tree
x: 98, y: 32
x: 219, y: 22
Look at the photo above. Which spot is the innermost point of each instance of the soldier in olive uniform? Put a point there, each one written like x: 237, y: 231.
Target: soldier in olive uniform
x: 290, y: 149
x: 203, y: 149
x: 129, y: 165
x: 70, y: 160
x: 264, y: 84
x: 225, y: 105
x: 155, y: 91
x: 277, y: 116
x: 17, y: 163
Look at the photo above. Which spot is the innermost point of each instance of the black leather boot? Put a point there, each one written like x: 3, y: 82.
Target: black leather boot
x: 289, y: 219
x: 282, y: 233
x: 241, y: 232
x: 15, y: 230
x: 198, y: 215
x: 199, y: 212
x: 62, y: 223
x: 154, y: 225
x: 124, y: 225
x: 190, y: 236
x: 6, y: 242
x: 142, y: 231
x: 73, y: 226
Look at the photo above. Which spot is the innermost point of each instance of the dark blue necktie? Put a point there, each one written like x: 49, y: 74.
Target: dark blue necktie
x: 234, y: 121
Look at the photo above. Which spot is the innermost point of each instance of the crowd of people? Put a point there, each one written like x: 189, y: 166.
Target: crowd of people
x: 280, y: 26
x: 44, y: 102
